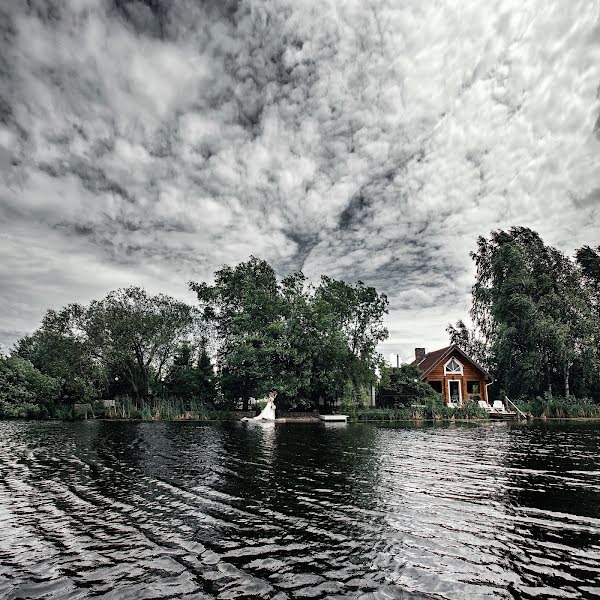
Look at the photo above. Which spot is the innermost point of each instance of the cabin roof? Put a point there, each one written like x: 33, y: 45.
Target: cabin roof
x: 431, y: 359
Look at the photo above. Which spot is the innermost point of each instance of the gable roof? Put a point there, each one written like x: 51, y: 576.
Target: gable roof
x: 431, y: 359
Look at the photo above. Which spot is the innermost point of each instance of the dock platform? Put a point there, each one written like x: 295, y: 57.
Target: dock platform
x: 334, y: 418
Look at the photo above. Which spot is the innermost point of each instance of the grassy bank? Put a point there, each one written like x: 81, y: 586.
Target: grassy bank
x: 177, y: 409
x: 164, y: 409
x: 556, y: 407
x: 430, y: 411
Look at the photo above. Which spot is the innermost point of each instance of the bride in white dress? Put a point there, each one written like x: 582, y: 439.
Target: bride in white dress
x: 268, y: 412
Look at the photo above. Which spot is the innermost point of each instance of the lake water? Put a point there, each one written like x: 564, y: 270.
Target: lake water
x: 186, y: 510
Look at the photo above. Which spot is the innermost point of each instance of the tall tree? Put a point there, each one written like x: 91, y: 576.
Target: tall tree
x: 286, y: 334
x: 245, y: 307
x: 191, y: 375
x: 137, y: 333
x: 529, y: 306
x: 588, y: 260
x: 469, y: 340
x: 61, y: 349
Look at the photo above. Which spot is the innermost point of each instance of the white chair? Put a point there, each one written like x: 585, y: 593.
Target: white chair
x: 483, y: 404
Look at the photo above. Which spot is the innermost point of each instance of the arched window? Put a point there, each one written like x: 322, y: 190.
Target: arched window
x: 453, y: 367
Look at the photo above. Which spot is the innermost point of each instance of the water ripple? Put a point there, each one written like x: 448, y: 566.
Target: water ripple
x: 124, y: 510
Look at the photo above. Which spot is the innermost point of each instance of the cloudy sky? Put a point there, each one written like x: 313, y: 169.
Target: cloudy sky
x: 151, y: 142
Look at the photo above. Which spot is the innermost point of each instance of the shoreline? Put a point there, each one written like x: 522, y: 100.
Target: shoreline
x: 306, y: 421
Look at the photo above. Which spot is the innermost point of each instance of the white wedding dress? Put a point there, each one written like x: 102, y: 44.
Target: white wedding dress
x: 267, y: 413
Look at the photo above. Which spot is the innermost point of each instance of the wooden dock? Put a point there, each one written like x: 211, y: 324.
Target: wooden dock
x: 499, y: 411
x: 334, y: 418
x: 302, y: 419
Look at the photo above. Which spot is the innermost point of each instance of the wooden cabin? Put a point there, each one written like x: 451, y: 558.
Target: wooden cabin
x: 453, y: 374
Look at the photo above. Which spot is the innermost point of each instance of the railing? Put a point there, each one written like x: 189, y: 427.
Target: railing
x: 519, y: 411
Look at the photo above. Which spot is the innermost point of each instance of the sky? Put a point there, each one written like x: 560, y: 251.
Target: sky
x: 149, y: 143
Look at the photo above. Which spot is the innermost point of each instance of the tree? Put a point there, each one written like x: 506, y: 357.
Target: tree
x: 468, y: 340
x: 191, y: 378
x: 588, y: 260
x: 306, y: 342
x: 24, y: 390
x: 137, y: 334
x: 402, y: 386
x: 530, y: 310
x: 61, y: 350
x: 245, y: 307
x: 349, y: 326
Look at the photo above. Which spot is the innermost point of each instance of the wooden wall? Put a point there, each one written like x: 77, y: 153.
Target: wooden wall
x: 470, y: 373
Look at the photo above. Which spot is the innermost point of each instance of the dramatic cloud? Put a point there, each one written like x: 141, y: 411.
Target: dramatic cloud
x: 149, y: 143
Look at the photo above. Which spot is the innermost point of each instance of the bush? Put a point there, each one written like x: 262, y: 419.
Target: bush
x: 433, y: 409
x: 24, y: 391
x: 165, y: 409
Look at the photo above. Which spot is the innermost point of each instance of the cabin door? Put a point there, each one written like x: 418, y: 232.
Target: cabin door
x: 454, y: 393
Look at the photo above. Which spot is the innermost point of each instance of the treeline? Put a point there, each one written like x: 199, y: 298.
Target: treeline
x: 535, y: 316
x: 248, y: 333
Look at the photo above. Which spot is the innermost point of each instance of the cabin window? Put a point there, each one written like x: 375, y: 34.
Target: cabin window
x: 453, y: 367
x: 472, y: 387
x: 436, y: 385
x: 473, y: 391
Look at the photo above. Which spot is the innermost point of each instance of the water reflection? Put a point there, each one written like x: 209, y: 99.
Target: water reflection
x: 181, y: 510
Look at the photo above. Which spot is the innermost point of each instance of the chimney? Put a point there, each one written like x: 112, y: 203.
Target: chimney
x: 419, y: 354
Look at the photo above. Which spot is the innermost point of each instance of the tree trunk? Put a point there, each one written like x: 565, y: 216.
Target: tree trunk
x: 567, y: 391
x: 143, y: 374
x: 132, y: 380
x: 245, y: 403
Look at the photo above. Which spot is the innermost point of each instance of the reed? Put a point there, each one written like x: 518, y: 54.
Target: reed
x: 435, y: 411
x: 559, y: 407
x: 165, y: 409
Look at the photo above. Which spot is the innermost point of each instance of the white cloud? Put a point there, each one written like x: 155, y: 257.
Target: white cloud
x: 363, y: 140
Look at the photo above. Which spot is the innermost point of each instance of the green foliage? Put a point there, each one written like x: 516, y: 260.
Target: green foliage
x: 60, y: 349
x: 24, y: 391
x: 533, y: 314
x: 306, y: 342
x: 432, y: 410
x: 355, y: 398
x: 137, y: 334
x: 169, y: 409
x: 556, y: 407
x: 191, y: 375
x: 400, y: 386
x: 469, y: 341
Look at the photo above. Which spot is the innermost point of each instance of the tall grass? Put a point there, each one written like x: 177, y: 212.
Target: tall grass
x: 435, y: 411
x: 165, y: 409
x: 558, y: 407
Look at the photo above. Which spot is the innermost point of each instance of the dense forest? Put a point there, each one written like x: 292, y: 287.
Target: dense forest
x: 535, y: 325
